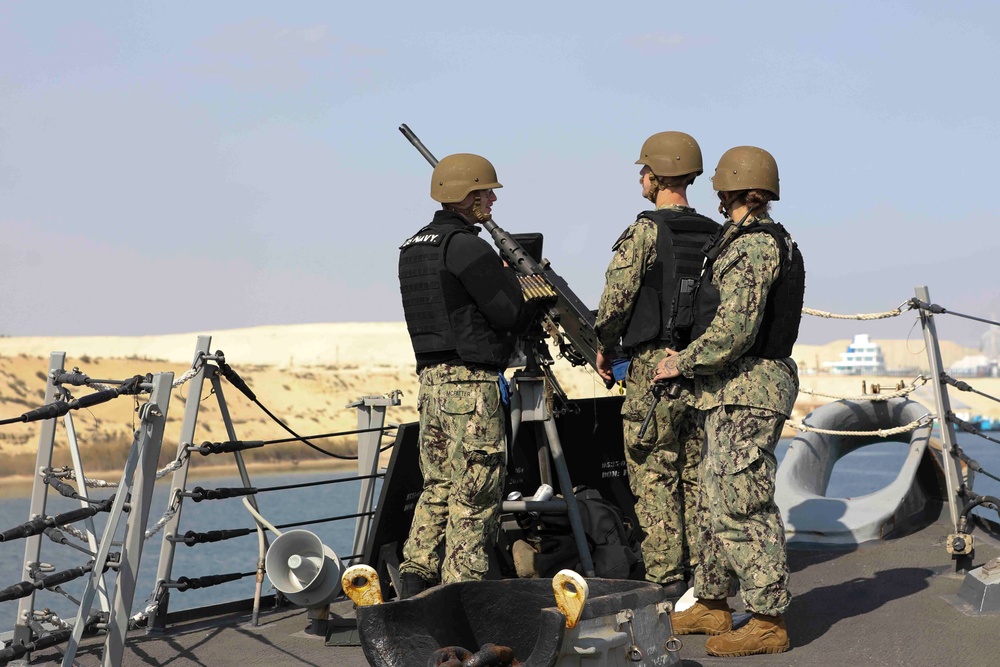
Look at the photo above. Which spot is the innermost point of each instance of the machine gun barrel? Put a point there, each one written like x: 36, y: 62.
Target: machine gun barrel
x: 419, y: 145
x: 509, y: 248
x: 568, y: 311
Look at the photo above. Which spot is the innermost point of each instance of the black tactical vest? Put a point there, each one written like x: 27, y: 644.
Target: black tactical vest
x: 779, y: 327
x: 665, y: 309
x: 442, y: 319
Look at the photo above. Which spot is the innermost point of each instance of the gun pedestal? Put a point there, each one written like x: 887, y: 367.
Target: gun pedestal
x: 530, y: 403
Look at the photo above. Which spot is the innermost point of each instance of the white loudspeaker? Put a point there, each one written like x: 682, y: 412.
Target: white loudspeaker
x: 303, y: 568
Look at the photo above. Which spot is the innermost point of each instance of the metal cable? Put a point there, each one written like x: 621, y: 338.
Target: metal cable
x: 345, y: 457
x: 319, y: 483
x: 965, y: 386
x: 940, y: 310
x: 280, y: 441
x: 240, y: 384
x: 969, y: 428
x: 326, y: 520
x: 974, y: 464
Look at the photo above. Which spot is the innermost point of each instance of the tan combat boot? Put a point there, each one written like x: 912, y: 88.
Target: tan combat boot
x: 761, y: 634
x: 705, y: 617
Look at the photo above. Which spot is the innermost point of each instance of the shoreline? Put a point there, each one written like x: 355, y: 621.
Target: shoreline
x: 20, y: 485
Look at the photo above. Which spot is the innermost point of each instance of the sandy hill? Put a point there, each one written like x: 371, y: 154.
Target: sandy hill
x: 305, y: 374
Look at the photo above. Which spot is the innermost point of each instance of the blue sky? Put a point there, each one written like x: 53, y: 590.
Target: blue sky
x: 175, y: 167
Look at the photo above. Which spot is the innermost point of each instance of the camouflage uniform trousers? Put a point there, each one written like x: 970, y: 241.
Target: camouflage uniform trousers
x: 462, y: 458
x: 663, y: 471
x: 746, y: 538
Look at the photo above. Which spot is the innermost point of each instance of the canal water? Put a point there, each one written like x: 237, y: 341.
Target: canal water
x: 859, y: 473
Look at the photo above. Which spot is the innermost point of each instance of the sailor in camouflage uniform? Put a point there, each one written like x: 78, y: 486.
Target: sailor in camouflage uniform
x: 747, y: 383
x: 651, y: 259
x: 461, y: 304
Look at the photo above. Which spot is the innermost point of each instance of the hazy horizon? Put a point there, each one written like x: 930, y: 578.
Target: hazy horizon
x: 193, y: 166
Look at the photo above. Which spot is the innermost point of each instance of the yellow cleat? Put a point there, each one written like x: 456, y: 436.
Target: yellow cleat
x: 571, y: 592
x: 361, y: 584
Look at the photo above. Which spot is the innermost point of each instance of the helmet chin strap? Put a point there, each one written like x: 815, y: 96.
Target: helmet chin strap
x: 654, y: 187
x: 477, y: 209
x: 726, y: 204
x: 473, y: 213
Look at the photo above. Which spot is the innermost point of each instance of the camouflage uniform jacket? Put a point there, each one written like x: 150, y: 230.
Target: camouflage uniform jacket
x: 635, y: 253
x: 743, y: 274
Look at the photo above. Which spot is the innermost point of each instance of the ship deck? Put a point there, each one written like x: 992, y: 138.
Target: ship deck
x: 887, y: 603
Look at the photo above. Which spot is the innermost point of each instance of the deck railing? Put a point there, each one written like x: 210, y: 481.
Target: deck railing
x: 37, y: 629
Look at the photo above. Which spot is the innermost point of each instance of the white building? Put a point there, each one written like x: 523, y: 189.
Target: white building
x: 863, y: 357
x: 989, y: 342
x: 978, y: 365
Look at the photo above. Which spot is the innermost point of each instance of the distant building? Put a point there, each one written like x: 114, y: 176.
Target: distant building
x: 863, y: 357
x: 989, y: 342
x: 978, y: 365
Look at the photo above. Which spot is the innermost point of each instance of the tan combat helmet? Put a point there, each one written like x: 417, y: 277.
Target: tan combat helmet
x: 671, y: 154
x: 455, y: 176
x: 746, y: 168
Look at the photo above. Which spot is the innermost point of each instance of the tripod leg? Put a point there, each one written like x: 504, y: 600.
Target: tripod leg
x: 566, y: 485
x: 515, y: 414
x: 542, y: 445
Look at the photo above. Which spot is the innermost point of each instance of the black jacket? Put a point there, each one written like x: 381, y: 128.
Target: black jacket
x: 459, y: 301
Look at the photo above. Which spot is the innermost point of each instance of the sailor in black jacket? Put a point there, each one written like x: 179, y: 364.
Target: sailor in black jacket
x: 461, y: 305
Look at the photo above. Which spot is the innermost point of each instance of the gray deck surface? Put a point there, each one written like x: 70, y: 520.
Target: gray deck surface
x: 889, y: 603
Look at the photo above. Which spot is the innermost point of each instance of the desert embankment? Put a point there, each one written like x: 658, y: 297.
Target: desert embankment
x: 307, y: 375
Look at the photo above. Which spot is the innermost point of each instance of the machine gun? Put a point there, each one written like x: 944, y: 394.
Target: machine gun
x: 564, y: 311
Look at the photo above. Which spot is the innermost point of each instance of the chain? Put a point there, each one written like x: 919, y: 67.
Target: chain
x: 70, y: 473
x: 899, y: 393
x: 48, y: 616
x: 155, y: 528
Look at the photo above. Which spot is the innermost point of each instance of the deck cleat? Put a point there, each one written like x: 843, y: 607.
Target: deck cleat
x: 571, y: 593
x: 361, y: 584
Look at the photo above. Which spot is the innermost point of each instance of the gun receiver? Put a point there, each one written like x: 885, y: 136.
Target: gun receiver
x: 567, y: 311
